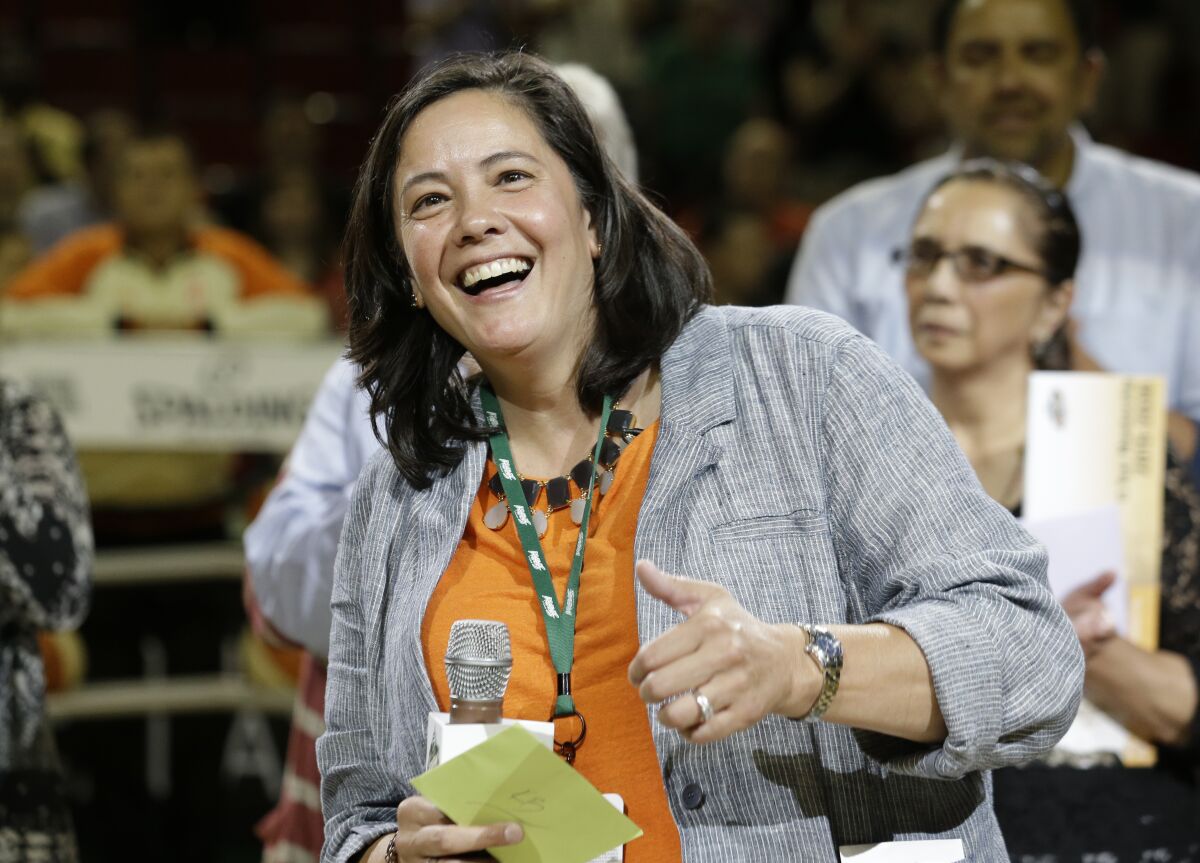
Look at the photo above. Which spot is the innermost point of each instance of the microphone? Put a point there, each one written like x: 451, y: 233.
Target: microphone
x: 478, y: 664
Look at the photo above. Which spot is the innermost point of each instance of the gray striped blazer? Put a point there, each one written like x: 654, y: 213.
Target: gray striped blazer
x: 798, y: 467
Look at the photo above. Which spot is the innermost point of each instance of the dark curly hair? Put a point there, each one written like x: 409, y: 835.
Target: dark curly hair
x: 649, y: 281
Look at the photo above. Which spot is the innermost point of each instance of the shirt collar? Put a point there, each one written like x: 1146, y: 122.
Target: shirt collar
x: 1081, y: 140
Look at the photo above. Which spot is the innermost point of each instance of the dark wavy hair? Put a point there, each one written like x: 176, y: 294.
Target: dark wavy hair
x: 649, y: 279
x: 1056, y: 238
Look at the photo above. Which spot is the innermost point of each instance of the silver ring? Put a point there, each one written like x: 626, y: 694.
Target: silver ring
x: 706, y: 708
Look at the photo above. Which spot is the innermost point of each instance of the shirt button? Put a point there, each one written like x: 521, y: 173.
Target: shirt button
x: 693, y: 796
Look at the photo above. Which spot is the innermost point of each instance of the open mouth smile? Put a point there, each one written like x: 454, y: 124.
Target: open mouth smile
x: 494, y: 274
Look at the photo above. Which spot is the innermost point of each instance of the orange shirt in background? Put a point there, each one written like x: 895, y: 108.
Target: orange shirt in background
x: 64, y: 269
x: 488, y: 579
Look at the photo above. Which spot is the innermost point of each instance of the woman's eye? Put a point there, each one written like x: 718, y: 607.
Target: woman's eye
x: 981, y: 262
x: 513, y: 176
x: 429, y: 200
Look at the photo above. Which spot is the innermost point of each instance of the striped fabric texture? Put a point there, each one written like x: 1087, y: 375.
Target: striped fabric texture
x: 799, y: 468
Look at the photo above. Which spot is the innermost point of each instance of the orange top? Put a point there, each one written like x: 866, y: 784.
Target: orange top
x: 488, y: 578
x: 64, y: 269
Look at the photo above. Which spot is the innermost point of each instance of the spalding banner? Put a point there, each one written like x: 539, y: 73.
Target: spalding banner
x: 177, y: 393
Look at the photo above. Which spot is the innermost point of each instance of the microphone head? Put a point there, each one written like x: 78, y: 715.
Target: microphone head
x: 478, y: 660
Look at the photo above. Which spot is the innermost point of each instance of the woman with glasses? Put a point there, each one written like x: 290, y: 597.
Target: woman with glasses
x: 989, y: 276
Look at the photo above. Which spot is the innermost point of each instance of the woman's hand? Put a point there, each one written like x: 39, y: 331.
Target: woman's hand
x: 1093, y: 624
x: 744, y: 667
x: 424, y: 833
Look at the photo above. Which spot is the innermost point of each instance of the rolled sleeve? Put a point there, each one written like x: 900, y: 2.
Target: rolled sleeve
x: 928, y: 551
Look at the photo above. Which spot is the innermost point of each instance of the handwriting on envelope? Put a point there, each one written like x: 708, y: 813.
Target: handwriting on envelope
x: 513, y: 777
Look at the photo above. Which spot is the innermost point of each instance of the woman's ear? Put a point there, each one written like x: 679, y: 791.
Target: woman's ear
x: 1056, y: 307
x: 594, y: 245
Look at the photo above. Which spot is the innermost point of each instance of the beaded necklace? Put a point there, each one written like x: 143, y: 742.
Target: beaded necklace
x: 621, y: 429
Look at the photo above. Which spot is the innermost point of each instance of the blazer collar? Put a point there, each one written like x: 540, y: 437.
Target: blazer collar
x: 697, y: 379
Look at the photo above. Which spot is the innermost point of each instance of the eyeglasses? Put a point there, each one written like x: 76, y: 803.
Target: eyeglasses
x: 971, y: 263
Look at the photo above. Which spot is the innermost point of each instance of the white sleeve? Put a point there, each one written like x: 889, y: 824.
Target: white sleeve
x: 822, y: 276
x: 1189, y: 361
x: 292, y: 543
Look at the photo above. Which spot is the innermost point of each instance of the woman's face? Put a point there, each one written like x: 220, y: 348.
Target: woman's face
x: 491, y: 223
x: 963, y: 325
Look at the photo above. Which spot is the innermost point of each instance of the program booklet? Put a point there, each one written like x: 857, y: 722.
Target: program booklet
x: 1095, y: 454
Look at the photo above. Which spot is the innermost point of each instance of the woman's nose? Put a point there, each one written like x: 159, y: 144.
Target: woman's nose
x: 942, y: 283
x: 477, y: 217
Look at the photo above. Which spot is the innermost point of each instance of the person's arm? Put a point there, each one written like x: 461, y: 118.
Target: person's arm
x: 962, y: 644
x: 1152, y: 693
x: 44, y: 521
x: 822, y: 275
x: 931, y: 554
x: 748, y: 668
x: 291, y: 545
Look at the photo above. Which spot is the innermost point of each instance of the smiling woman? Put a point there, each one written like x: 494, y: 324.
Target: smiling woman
x: 479, y: 165
x: 841, y: 563
x: 501, y: 247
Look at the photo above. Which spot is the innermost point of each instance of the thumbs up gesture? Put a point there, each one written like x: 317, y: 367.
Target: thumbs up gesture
x: 720, y: 654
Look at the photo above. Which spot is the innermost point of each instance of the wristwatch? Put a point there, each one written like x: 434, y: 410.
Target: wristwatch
x: 826, y: 650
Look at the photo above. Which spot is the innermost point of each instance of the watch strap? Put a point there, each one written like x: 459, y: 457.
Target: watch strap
x: 826, y: 650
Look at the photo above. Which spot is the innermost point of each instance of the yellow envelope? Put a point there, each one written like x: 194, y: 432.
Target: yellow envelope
x: 513, y: 777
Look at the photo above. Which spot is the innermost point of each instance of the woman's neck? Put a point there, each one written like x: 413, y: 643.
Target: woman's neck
x: 984, y: 408
x: 548, y: 429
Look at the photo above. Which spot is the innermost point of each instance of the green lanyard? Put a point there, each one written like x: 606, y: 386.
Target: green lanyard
x: 559, y: 618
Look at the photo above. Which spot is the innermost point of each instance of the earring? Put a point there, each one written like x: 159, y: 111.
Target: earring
x: 416, y: 300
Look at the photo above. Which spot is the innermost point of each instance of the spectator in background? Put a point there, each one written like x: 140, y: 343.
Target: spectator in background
x: 568, y: 37
x: 51, y: 213
x: 751, y: 233
x: 157, y: 267
x: 700, y: 84
x: 989, y: 276
x: 56, y: 136
x: 45, y: 583
x: 17, y: 175
x: 296, y: 225
x: 603, y: 106
x: 1015, y: 76
x: 17, y: 182
x: 292, y: 206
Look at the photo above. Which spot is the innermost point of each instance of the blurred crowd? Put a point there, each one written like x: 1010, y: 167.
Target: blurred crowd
x: 746, y: 116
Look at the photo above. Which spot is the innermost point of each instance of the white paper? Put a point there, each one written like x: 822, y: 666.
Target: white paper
x: 919, y: 851
x: 1082, y: 546
x: 1093, y: 731
x: 616, y: 855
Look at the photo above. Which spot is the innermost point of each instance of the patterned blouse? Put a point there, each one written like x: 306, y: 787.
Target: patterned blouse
x: 45, y: 583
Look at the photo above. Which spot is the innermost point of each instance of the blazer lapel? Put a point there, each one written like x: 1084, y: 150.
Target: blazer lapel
x: 698, y: 396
